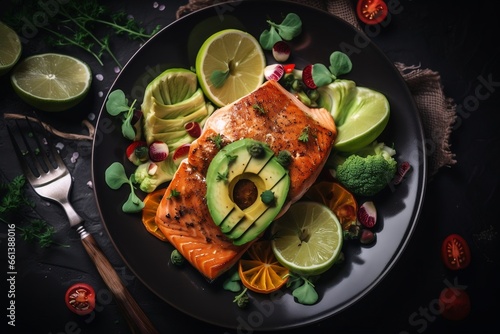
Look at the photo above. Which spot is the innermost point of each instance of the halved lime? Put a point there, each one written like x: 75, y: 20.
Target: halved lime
x: 10, y: 48
x: 51, y: 82
x: 361, y: 114
x: 307, y: 239
x: 229, y: 65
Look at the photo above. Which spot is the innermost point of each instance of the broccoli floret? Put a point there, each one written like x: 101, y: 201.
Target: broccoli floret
x: 369, y: 170
x: 150, y: 175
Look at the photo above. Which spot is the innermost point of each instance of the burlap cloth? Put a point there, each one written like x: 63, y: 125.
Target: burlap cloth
x: 437, y: 111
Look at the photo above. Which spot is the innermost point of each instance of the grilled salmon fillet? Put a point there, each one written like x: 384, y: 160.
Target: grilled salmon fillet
x: 269, y: 114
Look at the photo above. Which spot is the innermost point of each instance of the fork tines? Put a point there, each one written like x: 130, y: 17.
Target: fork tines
x: 36, y: 154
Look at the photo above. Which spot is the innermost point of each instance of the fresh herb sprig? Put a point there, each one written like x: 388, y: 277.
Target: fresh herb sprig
x: 14, y: 210
x: 84, y: 24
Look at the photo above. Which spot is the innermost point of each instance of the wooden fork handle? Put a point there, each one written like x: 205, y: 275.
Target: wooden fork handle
x: 137, y: 320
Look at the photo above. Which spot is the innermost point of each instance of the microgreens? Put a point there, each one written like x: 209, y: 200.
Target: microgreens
x: 115, y: 177
x: 15, y: 206
x: 302, y: 289
x: 339, y: 64
x: 75, y: 23
x: 290, y: 27
x: 117, y: 104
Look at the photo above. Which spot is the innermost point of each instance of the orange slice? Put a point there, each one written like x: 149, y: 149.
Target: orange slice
x: 261, y: 272
x: 151, y: 203
x: 338, y: 199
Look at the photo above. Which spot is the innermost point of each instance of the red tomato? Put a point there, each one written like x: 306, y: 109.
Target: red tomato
x: 371, y: 11
x: 454, y: 303
x: 80, y: 298
x: 455, y: 252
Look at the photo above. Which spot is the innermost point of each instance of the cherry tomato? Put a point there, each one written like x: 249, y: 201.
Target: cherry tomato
x: 371, y: 11
x: 455, y: 252
x: 454, y: 303
x: 80, y: 298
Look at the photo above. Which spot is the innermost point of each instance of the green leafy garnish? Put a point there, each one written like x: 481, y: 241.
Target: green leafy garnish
x: 15, y: 208
x: 242, y: 299
x: 115, y: 177
x: 117, y: 104
x: 259, y: 108
x: 231, y: 158
x: 222, y: 176
x: 174, y: 193
x: 177, y: 258
x: 267, y: 197
x: 84, y: 24
x: 302, y: 289
x: 217, y: 140
x: 339, y: 64
x: 218, y: 78
x: 304, y: 135
x: 232, y: 283
x: 289, y: 28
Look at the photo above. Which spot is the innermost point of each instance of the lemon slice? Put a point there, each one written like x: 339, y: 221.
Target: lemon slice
x: 51, y: 82
x: 229, y: 65
x: 10, y: 48
x: 307, y: 239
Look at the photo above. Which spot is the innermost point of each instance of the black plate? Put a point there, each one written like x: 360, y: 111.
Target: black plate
x: 399, y: 208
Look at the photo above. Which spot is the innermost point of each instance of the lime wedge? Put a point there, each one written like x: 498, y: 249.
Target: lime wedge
x: 51, y: 82
x: 307, y: 239
x: 361, y: 114
x: 229, y: 65
x: 10, y: 48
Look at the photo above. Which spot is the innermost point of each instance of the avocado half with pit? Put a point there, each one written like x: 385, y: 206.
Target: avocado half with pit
x: 246, y: 189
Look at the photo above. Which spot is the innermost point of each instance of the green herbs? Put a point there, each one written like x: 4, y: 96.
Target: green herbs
x: 222, y: 176
x: 339, y: 64
x: 217, y: 140
x: 290, y: 27
x: 117, y: 104
x: 14, y: 211
x: 174, y: 193
x: 267, y: 197
x: 115, y: 177
x: 259, y: 108
x: 304, y: 135
x: 284, y: 158
x: 256, y: 150
x: 302, y: 289
x: 233, y: 284
x: 84, y: 24
x: 177, y: 258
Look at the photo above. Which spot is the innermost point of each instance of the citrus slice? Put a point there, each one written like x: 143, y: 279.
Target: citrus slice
x: 230, y: 64
x: 261, y: 272
x: 307, y: 239
x: 10, y: 48
x: 361, y: 114
x: 338, y: 199
x: 51, y: 82
x: 151, y: 203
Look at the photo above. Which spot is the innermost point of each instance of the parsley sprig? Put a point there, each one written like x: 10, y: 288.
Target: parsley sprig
x: 15, y: 207
x: 84, y: 24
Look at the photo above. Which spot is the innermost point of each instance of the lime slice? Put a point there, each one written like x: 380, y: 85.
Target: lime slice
x: 230, y: 64
x: 361, y: 114
x: 51, y: 82
x: 10, y: 48
x: 307, y: 239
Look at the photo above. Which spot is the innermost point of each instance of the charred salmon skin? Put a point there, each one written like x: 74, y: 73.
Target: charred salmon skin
x: 271, y: 115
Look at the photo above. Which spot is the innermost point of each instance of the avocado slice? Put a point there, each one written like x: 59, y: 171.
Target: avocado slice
x: 236, y: 178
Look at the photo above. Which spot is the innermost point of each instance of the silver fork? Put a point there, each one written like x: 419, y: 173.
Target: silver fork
x: 49, y: 177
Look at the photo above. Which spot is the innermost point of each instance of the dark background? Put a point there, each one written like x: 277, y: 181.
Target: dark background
x: 458, y: 41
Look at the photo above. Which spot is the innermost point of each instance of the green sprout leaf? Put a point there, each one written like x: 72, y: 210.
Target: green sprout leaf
x: 305, y: 293
x: 289, y: 28
x: 218, y: 78
x: 117, y: 103
x: 115, y: 176
x: 321, y: 75
x: 232, y: 283
x: 340, y: 63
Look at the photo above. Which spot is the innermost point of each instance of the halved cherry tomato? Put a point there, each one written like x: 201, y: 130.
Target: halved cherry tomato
x: 455, y: 252
x: 454, y: 303
x: 151, y: 203
x: 371, y: 11
x: 80, y: 298
x: 261, y: 272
